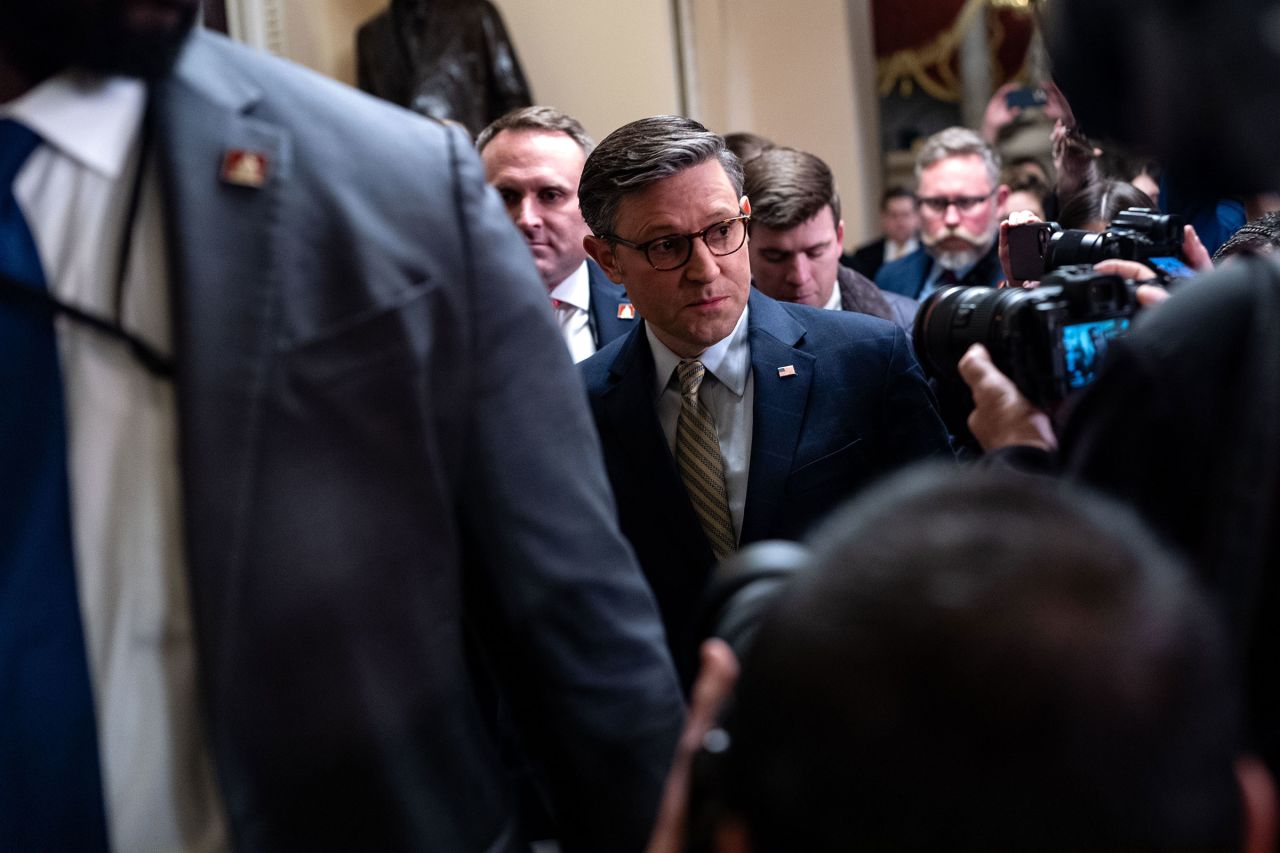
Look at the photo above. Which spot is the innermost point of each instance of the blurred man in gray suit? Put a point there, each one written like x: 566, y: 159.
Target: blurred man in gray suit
x: 310, y: 525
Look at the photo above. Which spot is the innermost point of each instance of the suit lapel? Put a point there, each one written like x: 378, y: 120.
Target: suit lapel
x: 778, y: 410
x: 605, y: 299
x: 225, y: 261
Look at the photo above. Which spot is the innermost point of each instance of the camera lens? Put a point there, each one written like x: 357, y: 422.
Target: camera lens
x: 1079, y: 247
x: 954, y: 318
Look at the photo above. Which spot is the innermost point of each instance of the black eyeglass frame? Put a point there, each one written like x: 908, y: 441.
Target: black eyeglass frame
x: 744, y: 218
x: 964, y: 203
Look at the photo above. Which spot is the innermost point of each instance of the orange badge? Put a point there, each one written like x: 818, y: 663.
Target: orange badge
x: 626, y: 311
x: 244, y: 168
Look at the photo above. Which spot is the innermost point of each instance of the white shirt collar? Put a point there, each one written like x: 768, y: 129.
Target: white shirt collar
x: 575, y: 290
x: 834, y: 303
x: 728, y: 360
x: 91, y: 119
x: 895, y: 250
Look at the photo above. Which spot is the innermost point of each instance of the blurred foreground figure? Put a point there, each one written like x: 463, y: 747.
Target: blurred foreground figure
x: 1022, y: 668
x: 282, y: 520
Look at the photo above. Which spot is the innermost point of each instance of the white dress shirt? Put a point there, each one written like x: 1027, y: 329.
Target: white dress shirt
x: 126, y: 504
x: 574, y: 298
x: 834, y: 303
x: 728, y: 393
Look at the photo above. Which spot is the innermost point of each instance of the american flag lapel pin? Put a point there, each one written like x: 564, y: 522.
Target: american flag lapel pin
x: 786, y: 370
x: 626, y: 311
x: 242, y: 168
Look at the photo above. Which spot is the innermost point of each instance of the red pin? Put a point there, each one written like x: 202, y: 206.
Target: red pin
x: 243, y: 168
x: 626, y: 311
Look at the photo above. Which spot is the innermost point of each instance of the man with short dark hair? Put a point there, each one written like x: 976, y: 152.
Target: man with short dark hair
x: 796, y: 237
x: 1023, y: 667
x: 285, y: 526
x: 899, y: 230
x: 726, y: 417
x: 960, y: 194
x: 533, y: 157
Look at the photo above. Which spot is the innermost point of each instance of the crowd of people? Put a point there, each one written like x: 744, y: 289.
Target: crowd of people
x: 341, y: 514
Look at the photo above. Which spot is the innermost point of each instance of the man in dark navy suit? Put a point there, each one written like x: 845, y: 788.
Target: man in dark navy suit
x: 533, y: 156
x: 899, y: 226
x: 726, y: 417
x: 960, y: 196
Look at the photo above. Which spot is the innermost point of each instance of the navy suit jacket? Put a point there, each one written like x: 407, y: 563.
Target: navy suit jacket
x: 603, y: 317
x: 907, y: 275
x: 856, y: 407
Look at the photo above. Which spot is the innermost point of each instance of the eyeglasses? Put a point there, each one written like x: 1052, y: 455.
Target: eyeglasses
x: 673, y: 251
x: 963, y: 203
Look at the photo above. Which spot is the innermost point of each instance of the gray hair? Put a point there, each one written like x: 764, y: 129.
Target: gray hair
x: 642, y: 153
x: 547, y: 119
x: 958, y: 142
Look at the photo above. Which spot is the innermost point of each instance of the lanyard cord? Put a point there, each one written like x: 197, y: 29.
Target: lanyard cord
x: 42, y: 301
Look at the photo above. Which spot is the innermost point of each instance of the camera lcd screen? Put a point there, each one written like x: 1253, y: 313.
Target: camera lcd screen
x: 1084, y: 345
x: 1174, y: 267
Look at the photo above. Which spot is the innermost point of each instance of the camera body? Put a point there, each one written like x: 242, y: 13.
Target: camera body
x: 1136, y: 234
x: 1049, y: 340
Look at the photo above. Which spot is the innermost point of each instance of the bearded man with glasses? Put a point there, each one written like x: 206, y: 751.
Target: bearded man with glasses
x: 726, y: 417
x: 960, y: 197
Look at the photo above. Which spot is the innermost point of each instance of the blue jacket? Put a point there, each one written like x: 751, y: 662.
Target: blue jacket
x: 856, y: 407
x: 604, y: 318
x: 907, y: 275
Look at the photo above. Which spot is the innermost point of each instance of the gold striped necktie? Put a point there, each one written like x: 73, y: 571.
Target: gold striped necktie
x: 700, y: 463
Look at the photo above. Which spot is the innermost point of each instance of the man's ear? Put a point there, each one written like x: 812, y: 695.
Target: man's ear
x: 1002, y: 193
x: 840, y: 234
x: 604, y: 254
x: 1258, y: 793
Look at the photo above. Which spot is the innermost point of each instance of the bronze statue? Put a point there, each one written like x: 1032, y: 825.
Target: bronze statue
x: 448, y: 59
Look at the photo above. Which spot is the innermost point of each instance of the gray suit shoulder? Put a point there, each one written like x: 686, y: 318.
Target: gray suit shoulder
x: 349, y: 123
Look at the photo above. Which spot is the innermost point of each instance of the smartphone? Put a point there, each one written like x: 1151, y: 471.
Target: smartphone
x: 1028, y: 96
x: 1028, y: 245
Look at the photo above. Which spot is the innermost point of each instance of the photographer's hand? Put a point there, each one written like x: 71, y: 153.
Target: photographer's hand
x: 1074, y: 159
x: 716, y: 676
x: 1194, y: 251
x: 998, y: 113
x: 1001, y: 415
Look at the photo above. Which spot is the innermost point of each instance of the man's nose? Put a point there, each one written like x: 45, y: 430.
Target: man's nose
x: 798, y: 269
x: 951, y: 215
x: 527, y: 214
x: 702, y: 266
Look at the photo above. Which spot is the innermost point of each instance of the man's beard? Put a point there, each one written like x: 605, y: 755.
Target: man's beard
x: 43, y: 37
x: 959, y: 259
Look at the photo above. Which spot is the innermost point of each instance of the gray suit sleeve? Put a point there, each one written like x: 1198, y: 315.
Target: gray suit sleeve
x: 569, y: 620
